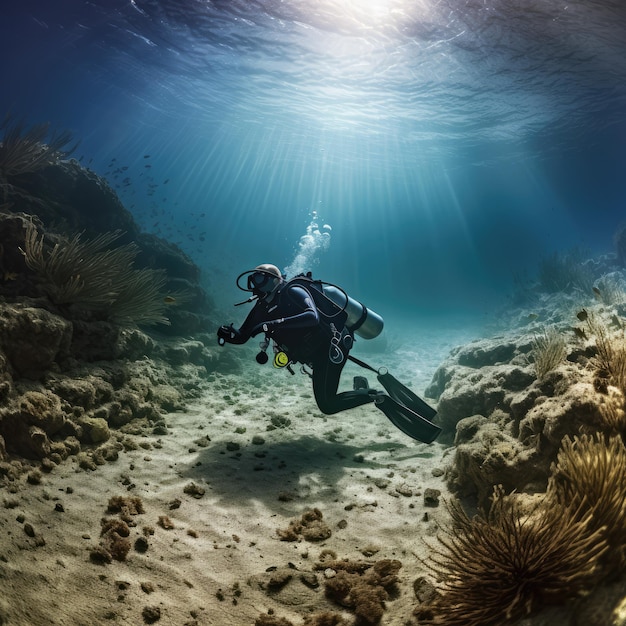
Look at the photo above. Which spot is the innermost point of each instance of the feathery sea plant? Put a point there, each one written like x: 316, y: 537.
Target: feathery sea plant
x: 24, y: 150
x: 140, y: 298
x: 590, y: 475
x: 505, y: 563
x: 77, y: 271
x: 610, y: 357
x: 548, y: 350
x: 92, y: 276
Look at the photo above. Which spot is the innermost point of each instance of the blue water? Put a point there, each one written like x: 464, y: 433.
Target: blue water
x: 447, y: 144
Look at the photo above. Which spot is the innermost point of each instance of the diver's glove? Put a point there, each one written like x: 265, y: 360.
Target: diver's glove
x: 227, y: 334
x: 267, y: 327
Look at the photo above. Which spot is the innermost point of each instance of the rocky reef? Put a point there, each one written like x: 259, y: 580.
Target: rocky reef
x: 507, y: 415
x: 74, y: 378
x: 536, y: 415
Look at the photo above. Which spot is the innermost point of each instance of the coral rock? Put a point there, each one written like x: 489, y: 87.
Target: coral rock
x: 33, y: 338
x: 42, y: 409
x: 95, y: 430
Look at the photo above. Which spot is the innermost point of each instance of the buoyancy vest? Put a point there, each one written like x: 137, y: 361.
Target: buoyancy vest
x: 329, y: 337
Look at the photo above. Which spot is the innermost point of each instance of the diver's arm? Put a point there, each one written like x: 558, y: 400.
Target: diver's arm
x: 251, y: 325
x: 229, y: 334
x: 255, y: 324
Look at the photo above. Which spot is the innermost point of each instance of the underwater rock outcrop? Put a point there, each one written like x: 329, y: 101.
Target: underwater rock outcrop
x: 73, y: 374
x: 506, y: 423
x: 65, y: 199
x: 33, y: 338
x: 537, y: 416
x: 523, y: 552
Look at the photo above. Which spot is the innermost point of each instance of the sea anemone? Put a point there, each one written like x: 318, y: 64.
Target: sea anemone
x: 505, y: 563
x: 590, y: 475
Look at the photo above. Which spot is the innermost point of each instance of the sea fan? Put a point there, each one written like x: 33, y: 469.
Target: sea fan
x: 23, y: 150
x: 92, y: 276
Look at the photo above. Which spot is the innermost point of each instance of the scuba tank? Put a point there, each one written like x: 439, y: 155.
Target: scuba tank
x: 361, y: 320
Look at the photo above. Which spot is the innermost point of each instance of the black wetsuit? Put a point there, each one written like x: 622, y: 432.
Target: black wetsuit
x: 293, y: 322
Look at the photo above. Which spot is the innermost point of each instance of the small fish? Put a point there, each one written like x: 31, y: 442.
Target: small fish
x: 579, y: 332
x: 167, y: 180
x: 597, y: 293
x: 582, y: 315
x: 532, y: 316
x: 169, y: 300
x: 146, y: 156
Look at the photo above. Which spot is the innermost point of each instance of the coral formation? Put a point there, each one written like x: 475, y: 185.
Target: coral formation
x: 74, y: 365
x: 507, y: 422
x: 309, y: 526
x: 114, y: 539
x: 610, y: 357
x: 556, y: 438
x: 362, y: 587
x: 126, y: 506
x: 115, y: 531
x: 506, y: 563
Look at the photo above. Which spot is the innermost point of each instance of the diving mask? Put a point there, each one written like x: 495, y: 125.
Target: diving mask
x: 261, y: 281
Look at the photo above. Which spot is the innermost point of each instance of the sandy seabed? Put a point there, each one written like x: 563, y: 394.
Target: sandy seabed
x: 212, y: 494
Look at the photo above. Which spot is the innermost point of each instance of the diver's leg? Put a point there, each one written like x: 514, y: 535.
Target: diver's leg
x: 326, y: 377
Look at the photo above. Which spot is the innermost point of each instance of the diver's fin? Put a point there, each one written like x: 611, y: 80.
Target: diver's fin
x: 408, y: 421
x: 402, y: 394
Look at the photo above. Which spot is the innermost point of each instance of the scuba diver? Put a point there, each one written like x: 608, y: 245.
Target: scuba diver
x: 314, y: 323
